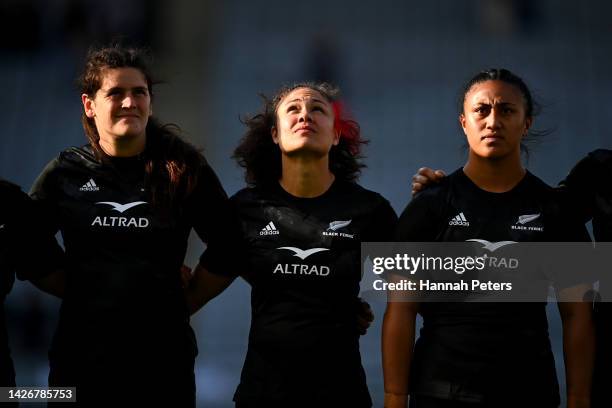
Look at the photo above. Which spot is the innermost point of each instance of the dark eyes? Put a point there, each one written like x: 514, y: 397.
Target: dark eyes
x: 118, y: 93
x: 293, y: 108
x: 484, y: 110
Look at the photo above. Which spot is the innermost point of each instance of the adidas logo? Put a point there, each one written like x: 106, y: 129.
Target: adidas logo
x: 459, y: 220
x: 90, y: 186
x: 269, y: 229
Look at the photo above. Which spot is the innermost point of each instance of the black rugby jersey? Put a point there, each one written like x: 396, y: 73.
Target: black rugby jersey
x: 12, y: 201
x: 22, y: 244
x: 486, y: 352
x: 124, y: 305
x: 589, y: 184
x: 303, y: 263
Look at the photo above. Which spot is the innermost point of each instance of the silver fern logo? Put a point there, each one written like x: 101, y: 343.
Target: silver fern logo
x: 336, y: 225
x: 526, y: 219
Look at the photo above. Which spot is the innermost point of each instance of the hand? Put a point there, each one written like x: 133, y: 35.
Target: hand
x: 365, y: 317
x: 424, y: 177
x: 186, y: 275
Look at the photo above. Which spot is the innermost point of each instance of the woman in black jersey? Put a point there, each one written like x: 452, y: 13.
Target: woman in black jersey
x: 12, y: 199
x: 12, y: 203
x: 125, y: 204
x: 487, y: 354
x: 589, y: 184
x: 303, y: 218
x: 21, y: 237
x: 589, y: 188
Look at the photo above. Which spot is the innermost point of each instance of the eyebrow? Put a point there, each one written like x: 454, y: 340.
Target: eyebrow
x: 301, y: 99
x: 119, y: 88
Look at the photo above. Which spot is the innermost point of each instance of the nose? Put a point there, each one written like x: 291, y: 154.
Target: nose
x: 305, y: 115
x: 493, y: 120
x: 128, y: 102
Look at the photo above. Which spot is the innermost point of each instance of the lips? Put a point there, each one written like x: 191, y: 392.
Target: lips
x: 492, y: 137
x: 305, y: 128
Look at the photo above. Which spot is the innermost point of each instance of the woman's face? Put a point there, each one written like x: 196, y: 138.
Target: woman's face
x: 122, y: 106
x: 494, y: 119
x: 305, y: 124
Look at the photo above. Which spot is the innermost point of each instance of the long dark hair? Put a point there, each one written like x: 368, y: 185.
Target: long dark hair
x: 171, y: 164
x: 261, y: 157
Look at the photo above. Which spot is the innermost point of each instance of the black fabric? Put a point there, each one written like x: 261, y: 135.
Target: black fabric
x: 304, y: 343
x: 124, y: 316
x: 486, y: 352
x: 12, y: 201
x: 420, y: 401
x: 589, y: 183
x: 25, y: 247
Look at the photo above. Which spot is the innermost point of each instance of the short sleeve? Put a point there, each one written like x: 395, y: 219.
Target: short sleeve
x: 32, y: 250
x: 420, y: 219
x: 580, y: 185
x: 383, y: 222
x: 217, y: 224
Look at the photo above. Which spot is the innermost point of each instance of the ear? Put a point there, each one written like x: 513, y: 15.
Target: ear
x: 528, y: 123
x: 336, y: 138
x: 462, y: 122
x: 89, y: 106
x: 274, y: 133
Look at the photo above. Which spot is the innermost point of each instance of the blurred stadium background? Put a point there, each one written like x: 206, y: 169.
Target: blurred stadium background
x: 400, y: 64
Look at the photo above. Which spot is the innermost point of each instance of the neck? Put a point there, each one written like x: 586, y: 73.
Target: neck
x: 306, y: 177
x: 495, y: 175
x: 124, y: 147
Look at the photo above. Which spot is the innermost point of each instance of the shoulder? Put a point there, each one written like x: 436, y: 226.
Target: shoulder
x: 603, y: 156
x: 537, y: 185
x: 594, y: 168
x: 79, y: 159
x: 438, y: 193
x: 360, y: 195
x: 12, y: 195
x: 252, y: 195
x: 74, y: 157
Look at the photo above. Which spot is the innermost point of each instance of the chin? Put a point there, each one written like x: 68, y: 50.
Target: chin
x: 129, y: 133
x: 307, y: 149
x: 496, y: 154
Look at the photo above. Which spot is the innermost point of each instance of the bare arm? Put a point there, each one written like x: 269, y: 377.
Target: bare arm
x: 578, y: 350
x: 54, y: 284
x: 397, y: 346
x: 204, y: 286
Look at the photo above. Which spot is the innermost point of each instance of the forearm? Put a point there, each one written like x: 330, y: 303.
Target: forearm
x: 397, y: 347
x: 579, y: 350
x: 54, y: 283
x: 203, y: 287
